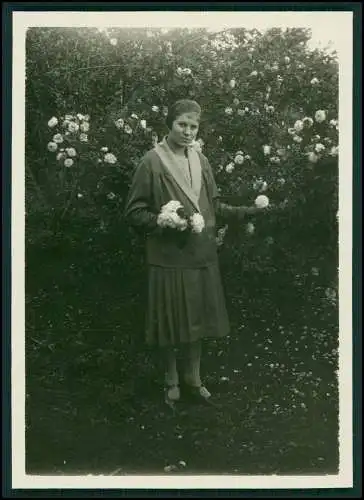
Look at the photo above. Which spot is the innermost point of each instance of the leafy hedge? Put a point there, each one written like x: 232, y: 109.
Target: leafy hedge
x: 97, y: 100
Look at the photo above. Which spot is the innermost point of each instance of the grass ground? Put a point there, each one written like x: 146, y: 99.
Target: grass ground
x: 94, y: 401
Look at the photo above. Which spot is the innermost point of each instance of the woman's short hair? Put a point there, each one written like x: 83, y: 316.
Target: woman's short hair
x: 179, y: 108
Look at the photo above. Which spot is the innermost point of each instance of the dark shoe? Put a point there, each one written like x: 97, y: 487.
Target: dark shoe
x: 198, y: 394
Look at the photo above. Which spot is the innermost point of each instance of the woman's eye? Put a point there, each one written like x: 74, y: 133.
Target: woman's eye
x: 185, y: 125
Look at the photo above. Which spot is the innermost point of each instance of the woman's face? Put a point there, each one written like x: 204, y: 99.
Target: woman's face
x: 184, y: 129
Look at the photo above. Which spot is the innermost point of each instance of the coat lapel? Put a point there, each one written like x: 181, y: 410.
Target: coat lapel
x: 196, y: 171
x: 169, y: 162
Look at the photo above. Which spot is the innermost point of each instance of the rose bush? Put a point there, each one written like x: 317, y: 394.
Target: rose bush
x: 97, y: 101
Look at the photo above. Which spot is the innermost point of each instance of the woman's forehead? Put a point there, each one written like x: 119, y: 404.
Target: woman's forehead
x: 192, y: 117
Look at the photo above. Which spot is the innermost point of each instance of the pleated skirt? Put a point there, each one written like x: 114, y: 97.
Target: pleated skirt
x: 185, y: 305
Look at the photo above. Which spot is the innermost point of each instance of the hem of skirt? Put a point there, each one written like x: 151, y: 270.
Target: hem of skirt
x: 186, y: 265
x: 156, y: 342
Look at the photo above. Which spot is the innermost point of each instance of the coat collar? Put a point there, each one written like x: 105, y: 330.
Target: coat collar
x: 170, y: 163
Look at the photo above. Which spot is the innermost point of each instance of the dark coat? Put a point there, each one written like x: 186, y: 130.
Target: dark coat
x: 152, y: 186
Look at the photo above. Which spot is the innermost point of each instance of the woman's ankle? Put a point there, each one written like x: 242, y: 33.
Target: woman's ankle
x: 192, y: 381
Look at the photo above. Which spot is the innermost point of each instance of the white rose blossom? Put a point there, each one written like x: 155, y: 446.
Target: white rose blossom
x: 239, y: 159
x: 197, y: 223
x: 297, y: 138
x: 85, y: 126
x: 320, y: 115
x: 171, y: 206
x: 58, y: 138
x: 143, y: 124
x: 334, y: 151
x: 155, y: 109
x: 68, y: 162
x: 119, y: 123
x: 52, y: 146
x: 113, y: 41
x: 83, y: 137
x: 168, y: 216
x: 71, y: 152
x: 110, y: 158
x: 315, y: 81
x: 319, y: 147
x: 177, y: 222
x: 312, y: 157
x: 229, y: 111
x: 232, y: 83
x: 73, y: 127
x: 229, y: 168
x: 53, y: 122
x: 266, y: 149
x: 307, y: 121
x: 104, y: 149
x: 275, y: 159
x: 61, y: 156
x: 250, y: 228
x: 128, y: 129
x: 261, y: 201
x: 298, y: 126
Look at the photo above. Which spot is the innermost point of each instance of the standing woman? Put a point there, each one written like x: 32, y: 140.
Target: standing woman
x: 185, y: 295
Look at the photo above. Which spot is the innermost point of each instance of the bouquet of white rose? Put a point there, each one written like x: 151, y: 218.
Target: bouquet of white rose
x: 173, y: 216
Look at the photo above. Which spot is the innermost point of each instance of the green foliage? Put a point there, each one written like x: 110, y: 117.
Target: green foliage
x: 255, y: 89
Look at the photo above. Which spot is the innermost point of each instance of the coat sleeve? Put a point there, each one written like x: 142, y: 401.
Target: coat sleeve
x: 225, y: 210
x: 138, y: 209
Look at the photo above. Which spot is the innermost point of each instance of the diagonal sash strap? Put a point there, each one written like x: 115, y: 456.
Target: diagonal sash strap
x: 168, y: 159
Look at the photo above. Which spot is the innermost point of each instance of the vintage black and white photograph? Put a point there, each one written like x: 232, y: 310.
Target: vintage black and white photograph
x: 183, y: 247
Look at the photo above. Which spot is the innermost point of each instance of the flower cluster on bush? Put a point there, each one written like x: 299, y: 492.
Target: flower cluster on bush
x: 70, y: 129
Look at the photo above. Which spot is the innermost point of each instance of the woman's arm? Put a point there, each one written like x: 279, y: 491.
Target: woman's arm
x: 225, y: 210
x: 138, y: 204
